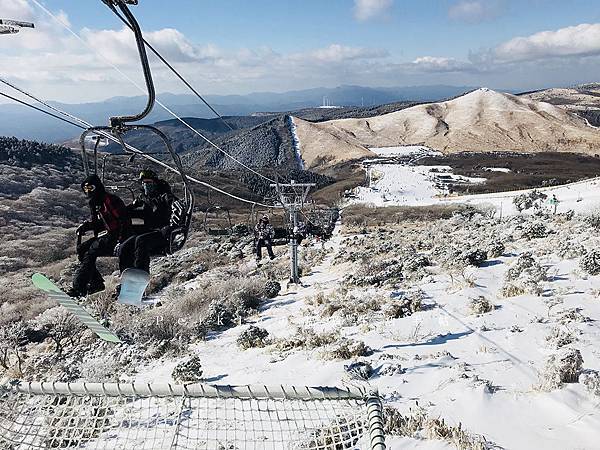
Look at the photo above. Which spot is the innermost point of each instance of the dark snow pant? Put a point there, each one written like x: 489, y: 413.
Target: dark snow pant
x: 88, y: 252
x: 264, y: 243
x: 136, y: 251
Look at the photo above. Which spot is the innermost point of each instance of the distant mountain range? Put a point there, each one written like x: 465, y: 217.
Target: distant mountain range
x: 22, y: 122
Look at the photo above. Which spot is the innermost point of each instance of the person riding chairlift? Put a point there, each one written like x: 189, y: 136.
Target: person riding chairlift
x: 111, y: 223
x: 264, y: 234
x: 153, y: 205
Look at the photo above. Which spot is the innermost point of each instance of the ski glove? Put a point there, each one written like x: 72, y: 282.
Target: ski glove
x: 83, y: 228
x: 117, y: 250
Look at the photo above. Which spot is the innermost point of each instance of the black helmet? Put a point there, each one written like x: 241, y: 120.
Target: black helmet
x: 148, y: 174
x: 93, y: 187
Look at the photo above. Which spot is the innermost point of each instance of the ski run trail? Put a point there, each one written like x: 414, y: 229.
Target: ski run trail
x: 479, y: 371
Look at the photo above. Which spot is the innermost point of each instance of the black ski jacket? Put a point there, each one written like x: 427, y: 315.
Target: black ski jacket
x: 155, y: 210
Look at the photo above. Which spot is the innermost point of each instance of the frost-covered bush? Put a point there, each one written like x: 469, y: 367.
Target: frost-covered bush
x: 389, y: 369
x: 253, y: 337
x: 347, y: 349
x: 404, y: 303
x: 570, y: 249
x: 60, y: 325
x: 524, y: 276
x: 359, y: 370
x: 496, y: 249
x: 272, y: 289
x: 536, y: 230
x: 559, y: 337
x: 480, y: 305
x: 591, y: 380
x: 416, y: 423
x: 377, y: 273
x: 475, y: 257
x: 593, y: 220
x: 188, y: 371
x: 563, y: 367
x: 306, y: 339
x: 533, y: 199
x: 590, y: 262
x: 415, y: 262
x: 571, y: 315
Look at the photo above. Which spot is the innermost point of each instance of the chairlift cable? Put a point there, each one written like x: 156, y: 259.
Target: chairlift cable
x: 64, y: 25
x: 41, y: 110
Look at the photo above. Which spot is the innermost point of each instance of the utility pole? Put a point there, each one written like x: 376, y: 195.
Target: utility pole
x: 292, y: 196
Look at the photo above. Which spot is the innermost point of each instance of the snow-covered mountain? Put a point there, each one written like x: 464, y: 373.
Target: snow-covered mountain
x: 482, y: 120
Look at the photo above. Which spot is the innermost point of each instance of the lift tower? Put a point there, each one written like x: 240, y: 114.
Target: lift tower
x: 292, y: 196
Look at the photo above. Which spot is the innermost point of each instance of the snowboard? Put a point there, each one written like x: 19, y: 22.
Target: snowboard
x: 133, y: 285
x: 43, y: 283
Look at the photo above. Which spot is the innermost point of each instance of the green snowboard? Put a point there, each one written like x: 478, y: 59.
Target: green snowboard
x: 41, y: 282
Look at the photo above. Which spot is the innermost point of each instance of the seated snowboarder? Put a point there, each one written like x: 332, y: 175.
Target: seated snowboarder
x: 264, y: 234
x: 111, y: 224
x: 154, y: 207
x: 299, y: 232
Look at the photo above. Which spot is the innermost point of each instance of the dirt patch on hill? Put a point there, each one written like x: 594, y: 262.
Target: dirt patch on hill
x: 526, y: 170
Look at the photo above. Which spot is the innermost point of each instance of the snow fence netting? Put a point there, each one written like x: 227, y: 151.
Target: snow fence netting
x: 197, y: 416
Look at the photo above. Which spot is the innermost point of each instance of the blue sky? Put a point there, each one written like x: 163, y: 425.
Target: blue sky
x: 240, y: 46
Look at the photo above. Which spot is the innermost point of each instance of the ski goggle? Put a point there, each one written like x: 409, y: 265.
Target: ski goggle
x: 87, y: 188
x: 148, y: 181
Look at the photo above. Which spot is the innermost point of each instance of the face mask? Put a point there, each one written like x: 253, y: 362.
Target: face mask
x: 149, y: 188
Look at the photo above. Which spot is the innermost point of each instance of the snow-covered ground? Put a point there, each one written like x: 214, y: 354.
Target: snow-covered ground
x: 477, y: 370
x: 410, y: 185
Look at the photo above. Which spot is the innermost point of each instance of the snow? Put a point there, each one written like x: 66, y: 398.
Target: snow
x: 413, y: 185
x: 446, y: 352
x: 497, y: 169
x: 433, y: 347
x: 405, y: 150
x: 296, y: 142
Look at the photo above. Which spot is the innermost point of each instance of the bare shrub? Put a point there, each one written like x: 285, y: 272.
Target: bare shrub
x: 591, y: 380
x: 496, y: 249
x: 12, y: 338
x: 404, y: 303
x: 272, y: 289
x: 60, y: 325
x: 559, y: 337
x: 359, y: 370
x: 417, y: 423
x: 305, y: 339
x: 188, y: 371
x: 360, y: 216
x: 253, y: 337
x: 533, y: 199
x: 480, y: 305
x: 377, y: 273
x: 347, y: 349
x: 524, y: 276
x: 590, y: 262
x: 535, y: 230
x: 562, y: 367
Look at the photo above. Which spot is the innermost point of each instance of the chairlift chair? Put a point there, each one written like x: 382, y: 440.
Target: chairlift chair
x: 181, y: 216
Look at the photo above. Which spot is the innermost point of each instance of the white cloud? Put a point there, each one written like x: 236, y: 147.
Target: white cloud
x: 441, y: 64
x: 16, y: 10
x: 370, y: 9
x: 580, y: 40
x: 338, y: 53
x: 474, y: 11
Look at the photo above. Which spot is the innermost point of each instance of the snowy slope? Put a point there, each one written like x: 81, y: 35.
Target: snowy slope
x: 480, y: 121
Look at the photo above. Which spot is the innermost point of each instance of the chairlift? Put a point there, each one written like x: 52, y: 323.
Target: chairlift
x: 217, y: 219
x: 182, y: 209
